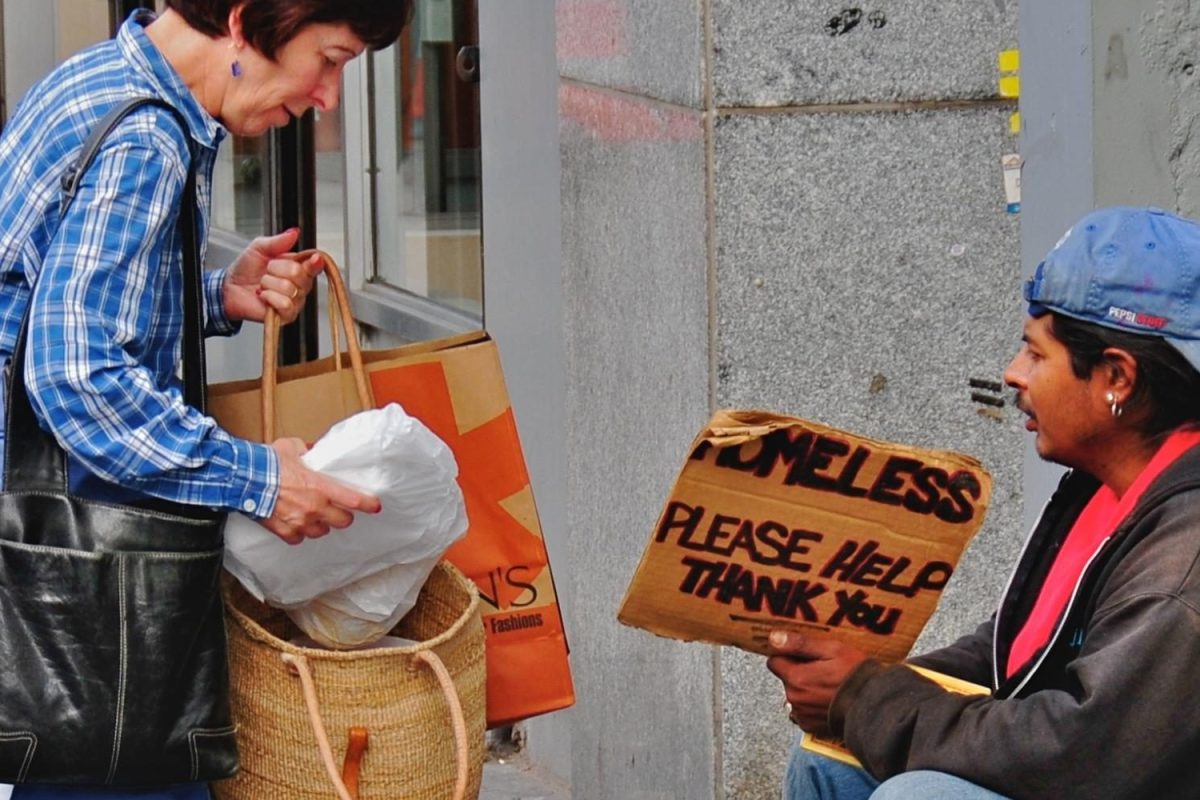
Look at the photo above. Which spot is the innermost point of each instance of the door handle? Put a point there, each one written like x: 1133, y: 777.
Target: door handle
x: 467, y: 63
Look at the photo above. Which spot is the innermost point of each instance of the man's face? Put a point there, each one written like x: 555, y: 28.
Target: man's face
x: 1069, y: 414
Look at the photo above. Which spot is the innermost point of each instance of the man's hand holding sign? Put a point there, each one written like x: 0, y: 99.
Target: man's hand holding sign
x: 812, y: 670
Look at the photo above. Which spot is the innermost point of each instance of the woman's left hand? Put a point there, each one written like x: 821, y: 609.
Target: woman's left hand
x: 263, y: 277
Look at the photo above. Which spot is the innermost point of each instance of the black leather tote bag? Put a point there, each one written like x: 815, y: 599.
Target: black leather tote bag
x: 112, y: 640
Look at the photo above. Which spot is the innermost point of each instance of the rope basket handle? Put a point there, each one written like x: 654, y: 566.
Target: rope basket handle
x: 339, y: 312
x: 445, y: 682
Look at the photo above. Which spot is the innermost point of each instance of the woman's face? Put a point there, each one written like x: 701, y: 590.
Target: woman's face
x: 306, y: 73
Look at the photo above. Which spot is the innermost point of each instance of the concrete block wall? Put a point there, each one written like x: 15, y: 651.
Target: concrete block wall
x: 775, y: 204
x: 1146, y: 104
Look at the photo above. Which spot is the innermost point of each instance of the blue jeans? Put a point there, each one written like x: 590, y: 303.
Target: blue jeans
x: 814, y: 777
x: 193, y: 791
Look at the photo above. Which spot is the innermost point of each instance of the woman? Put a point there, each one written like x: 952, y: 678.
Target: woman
x: 1094, y: 650
x: 102, y: 285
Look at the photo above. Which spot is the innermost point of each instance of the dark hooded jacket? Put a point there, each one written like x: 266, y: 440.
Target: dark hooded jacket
x: 1106, y: 709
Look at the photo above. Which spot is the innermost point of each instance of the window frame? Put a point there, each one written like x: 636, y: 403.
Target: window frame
x: 393, y: 310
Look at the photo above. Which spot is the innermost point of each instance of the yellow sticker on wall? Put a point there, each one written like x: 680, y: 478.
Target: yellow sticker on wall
x: 1009, y: 60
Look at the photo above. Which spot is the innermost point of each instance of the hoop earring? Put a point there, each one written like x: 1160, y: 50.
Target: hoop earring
x: 1114, y: 407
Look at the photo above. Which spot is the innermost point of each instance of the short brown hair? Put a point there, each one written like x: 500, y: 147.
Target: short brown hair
x: 1167, y: 384
x: 270, y: 24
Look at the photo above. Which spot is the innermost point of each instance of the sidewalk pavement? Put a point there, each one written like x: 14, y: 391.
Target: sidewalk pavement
x: 514, y: 779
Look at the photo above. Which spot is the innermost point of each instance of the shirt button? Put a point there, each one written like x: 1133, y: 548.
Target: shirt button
x: 249, y: 506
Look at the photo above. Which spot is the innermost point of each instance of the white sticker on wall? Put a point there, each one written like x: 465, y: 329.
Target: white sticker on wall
x: 1012, y: 164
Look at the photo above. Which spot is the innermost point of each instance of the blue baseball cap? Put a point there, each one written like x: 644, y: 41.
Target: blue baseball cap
x: 1133, y: 269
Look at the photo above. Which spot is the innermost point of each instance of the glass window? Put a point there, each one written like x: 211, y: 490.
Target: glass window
x: 427, y: 155
x: 330, y: 166
x: 79, y: 23
x: 239, y: 186
x: 414, y: 159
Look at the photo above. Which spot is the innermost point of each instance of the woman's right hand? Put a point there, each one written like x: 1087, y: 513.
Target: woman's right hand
x: 310, y: 503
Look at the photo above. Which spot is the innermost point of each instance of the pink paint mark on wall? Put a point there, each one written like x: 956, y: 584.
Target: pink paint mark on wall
x: 614, y: 118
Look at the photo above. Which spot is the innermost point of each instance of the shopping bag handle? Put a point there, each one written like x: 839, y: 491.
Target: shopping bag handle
x: 339, y: 312
x: 457, y: 720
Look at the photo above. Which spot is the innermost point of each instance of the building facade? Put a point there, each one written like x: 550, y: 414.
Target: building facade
x: 659, y: 208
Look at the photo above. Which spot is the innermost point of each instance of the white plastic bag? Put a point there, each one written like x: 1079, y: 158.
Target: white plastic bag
x: 352, y: 586
x: 360, y: 613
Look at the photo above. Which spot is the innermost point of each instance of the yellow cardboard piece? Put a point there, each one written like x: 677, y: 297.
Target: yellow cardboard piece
x: 779, y: 522
x: 836, y: 749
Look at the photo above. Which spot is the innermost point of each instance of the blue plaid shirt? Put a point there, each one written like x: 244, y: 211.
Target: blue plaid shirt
x: 107, y: 307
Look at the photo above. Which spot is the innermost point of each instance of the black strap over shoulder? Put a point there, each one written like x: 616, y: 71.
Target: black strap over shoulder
x: 91, y: 145
x: 33, y: 459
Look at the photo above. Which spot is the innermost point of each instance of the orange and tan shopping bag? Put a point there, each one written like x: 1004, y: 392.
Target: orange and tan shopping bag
x: 456, y: 387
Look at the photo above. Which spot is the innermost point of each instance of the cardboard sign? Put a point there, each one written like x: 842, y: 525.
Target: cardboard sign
x: 777, y: 522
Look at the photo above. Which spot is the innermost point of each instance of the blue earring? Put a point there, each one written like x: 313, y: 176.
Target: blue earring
x: 236, y: 68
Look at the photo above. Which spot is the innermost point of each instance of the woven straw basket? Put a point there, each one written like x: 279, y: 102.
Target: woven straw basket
x: 306, y: 716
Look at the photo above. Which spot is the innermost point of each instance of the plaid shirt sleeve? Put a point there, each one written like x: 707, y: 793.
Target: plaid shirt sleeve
x: 216, y: 322
x: 106, y: 321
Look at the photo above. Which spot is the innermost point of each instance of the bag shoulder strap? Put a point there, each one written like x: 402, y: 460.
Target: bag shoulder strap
x: 194, y: 366
x: 33, y: 459
x: 95, y: 140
